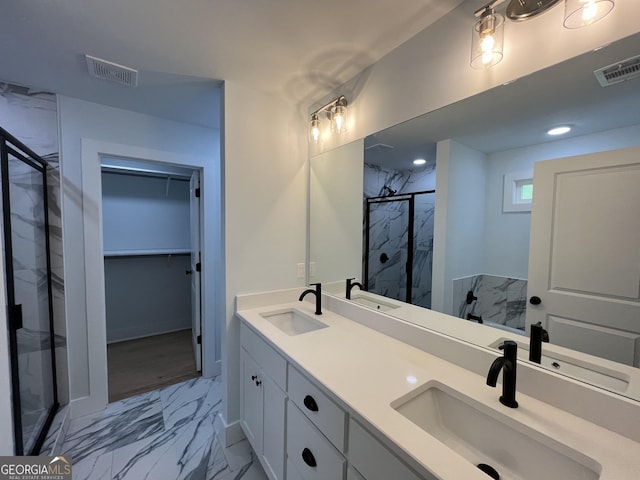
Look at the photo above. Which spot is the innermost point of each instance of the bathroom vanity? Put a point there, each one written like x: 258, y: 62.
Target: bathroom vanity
x: 354, y: 393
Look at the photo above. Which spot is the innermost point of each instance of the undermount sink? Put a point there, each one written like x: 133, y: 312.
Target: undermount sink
x: 484, y: 436
x: 373, y: 303
x: 293, y: 322
x: 592, y: 373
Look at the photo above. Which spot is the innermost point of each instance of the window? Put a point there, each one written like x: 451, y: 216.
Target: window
x: 518, y: 192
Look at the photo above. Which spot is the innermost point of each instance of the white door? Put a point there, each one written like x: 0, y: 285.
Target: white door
x: 584, y: 259
x: 195, y: 268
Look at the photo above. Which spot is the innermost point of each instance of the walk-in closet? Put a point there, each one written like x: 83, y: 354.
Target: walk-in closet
x: 150, y: 218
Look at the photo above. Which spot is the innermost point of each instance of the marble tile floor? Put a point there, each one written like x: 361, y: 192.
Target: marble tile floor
x: 166, y: 434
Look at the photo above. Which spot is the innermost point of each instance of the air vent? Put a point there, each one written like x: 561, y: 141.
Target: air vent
x: 619, y: 72
x: 379, y: 147
x: 112, y: 71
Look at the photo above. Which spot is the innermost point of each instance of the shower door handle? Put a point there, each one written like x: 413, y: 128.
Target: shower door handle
x: 15, y: 317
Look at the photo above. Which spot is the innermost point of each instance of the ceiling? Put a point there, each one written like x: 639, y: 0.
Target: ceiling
x: 300, y: 49
x: 520, y: 113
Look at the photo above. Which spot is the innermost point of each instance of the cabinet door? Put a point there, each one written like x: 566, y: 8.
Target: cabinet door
x: 251, y: 401
x: 274, y: 427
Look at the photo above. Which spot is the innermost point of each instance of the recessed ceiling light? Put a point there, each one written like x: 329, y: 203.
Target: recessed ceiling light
x: 559, y: 130
x: 419, y: 161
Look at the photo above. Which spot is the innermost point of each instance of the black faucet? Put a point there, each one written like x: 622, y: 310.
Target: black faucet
x: 508, y: 363
x: 318, y: 293
x: 538, y: 335
x: 350, y: 285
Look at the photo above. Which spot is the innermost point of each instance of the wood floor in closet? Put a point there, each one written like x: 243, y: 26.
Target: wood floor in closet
x: 145, y: 364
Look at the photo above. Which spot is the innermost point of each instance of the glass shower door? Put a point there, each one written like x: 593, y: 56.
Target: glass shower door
x: 26, y: 248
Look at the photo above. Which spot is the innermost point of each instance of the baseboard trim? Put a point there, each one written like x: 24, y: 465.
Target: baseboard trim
x: 228, y: 434
x: 82, y: 406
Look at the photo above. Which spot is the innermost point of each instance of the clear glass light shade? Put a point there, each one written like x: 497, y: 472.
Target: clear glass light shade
x: 488, y: 41
x: 580, y: 13
x: 314, y: 129
x: 339, y: 118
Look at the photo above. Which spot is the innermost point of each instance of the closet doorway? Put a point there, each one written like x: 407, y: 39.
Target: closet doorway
x: 151, y: 235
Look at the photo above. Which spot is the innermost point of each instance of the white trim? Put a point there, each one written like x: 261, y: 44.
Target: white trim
x: 92, y: 151
x: 228, y: 433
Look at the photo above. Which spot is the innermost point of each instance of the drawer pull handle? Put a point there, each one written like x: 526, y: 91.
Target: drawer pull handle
x: 310, y: 403
x: 308, y: 458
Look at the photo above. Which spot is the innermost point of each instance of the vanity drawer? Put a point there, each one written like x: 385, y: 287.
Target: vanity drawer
x: 271, y: 363
x: 323, y: 412
x: 311, y: 454
x: 373, y: 460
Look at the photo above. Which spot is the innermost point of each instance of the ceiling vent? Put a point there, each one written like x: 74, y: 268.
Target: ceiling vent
x: 379, y: 147
x: 619, y: 72
x: 112, y: 71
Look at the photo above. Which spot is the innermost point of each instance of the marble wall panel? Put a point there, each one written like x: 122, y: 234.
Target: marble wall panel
x: 501, y: 300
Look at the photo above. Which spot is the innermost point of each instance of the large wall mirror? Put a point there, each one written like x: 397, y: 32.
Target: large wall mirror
x: 471, y: 232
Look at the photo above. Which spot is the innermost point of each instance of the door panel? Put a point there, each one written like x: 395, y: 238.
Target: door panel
x: 584, y: 260
x: 196, y: 320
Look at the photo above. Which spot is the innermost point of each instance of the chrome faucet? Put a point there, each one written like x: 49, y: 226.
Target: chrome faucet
x: 350, y: 285
x: 318, y: 293
x: 508, y: 363
x: 538, y: 335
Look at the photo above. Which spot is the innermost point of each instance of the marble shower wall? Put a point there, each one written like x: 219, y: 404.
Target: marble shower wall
x: 501, y: 300
x: 31, y: 117
x: 389, y: 232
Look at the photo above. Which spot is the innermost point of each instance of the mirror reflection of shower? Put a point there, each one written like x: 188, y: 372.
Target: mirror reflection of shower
x: 399, y: 207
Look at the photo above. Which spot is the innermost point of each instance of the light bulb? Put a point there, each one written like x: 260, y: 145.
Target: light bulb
x: 580, y: 13
x: 314, y: 129
x: 589, y: 11
x: 338, y: 118
x: 488, y: 40
x: 487, y: 44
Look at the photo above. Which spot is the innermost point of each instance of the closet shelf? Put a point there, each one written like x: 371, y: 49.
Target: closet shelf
x: 130, y: 253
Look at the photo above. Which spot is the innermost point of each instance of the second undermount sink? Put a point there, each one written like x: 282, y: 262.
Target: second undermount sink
x: 292, y: 321
x: 373, y: 302
x: 484, y: 436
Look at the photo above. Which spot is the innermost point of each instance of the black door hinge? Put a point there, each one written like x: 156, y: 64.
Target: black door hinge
x: 197, y: 192
x: 198, y: 267
x: 15, y: 317
x: 199, y: 340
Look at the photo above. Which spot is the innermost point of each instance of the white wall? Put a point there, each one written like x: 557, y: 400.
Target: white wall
x: 101, y: 129
x: 459, y: 220
x: 507, y: 234
x: 432, y: 70
x: 265, y: 178
x: 139, y: 213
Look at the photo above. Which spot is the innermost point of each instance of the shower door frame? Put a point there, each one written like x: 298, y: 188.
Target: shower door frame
x: 29, y: 157
x: 399, y: 197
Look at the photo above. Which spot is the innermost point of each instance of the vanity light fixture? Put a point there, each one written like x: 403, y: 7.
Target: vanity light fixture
x: 488, y: 37
x: 561, y: 130
x: 335, y: 111
x: 419, y: 161
x: 488, y: 32
x: 580, y: 13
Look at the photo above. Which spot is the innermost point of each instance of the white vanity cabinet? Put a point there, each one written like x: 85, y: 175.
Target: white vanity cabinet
x: 373, y: 460
x: 323, y: 442
x: 263, y: 401
x: 315, y: 430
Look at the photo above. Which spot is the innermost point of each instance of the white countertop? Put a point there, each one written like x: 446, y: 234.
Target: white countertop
x: 366, y: 371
